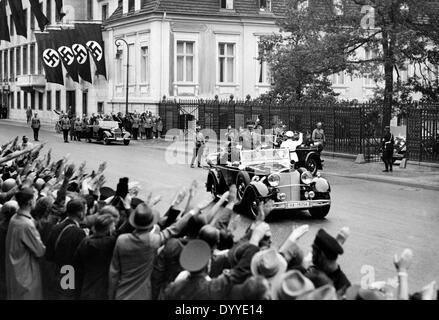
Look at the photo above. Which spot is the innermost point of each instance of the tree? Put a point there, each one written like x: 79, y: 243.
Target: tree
x: 325, y: 37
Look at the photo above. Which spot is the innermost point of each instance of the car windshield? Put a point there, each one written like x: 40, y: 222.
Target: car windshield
x: 109, y: 124
x: 263, y: 156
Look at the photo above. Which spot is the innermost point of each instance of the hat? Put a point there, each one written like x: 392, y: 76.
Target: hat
x: 291, y: 285
x: 355, y: 292
x: 268, y: 263
x: 289, y: 134
x: 195, y: 256
x: 8, y: 185
x: 323, y: 293
x: 106, y: 192
x: 136, y: 202
x: 143, y: 218
x: 328, y: 244
x: 292, y: 253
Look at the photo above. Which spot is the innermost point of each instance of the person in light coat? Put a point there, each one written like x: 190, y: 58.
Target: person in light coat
x: 291, y: 144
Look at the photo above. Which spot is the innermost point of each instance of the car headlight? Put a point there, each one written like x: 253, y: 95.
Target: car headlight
x: 307, y: 178
x: 274, y: 180
x: 322, y: 185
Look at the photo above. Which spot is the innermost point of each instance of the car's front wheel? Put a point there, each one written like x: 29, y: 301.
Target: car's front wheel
x: 242, y: 181
x: 250, y: 202
x: 312, y: 165
x: 126, y: 142
x: 106, y: 141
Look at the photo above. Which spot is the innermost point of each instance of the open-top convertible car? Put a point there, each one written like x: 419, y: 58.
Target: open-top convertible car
x: 269, y: 174
x: 108, y: 132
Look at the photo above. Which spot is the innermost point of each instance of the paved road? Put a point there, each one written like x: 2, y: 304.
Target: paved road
x: 383, y: 218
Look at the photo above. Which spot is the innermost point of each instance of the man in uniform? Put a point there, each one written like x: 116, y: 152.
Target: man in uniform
x: 78, y: 129
x: 249, y: 139
x: 199, y: 147
x: 65, y: 125
x: 325, y: 251
x: 136, y: 126
x: 387, y: 145
x: 319, y: 137
x: 36, y: 125
x: 292, y: 143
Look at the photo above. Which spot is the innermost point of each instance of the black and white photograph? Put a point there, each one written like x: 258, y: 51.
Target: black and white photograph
x: 222, y: 150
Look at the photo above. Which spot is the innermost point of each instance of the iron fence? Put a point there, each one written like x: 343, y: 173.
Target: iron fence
x: 349, y: 128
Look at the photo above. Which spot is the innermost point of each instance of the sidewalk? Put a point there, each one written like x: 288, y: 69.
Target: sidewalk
x: 415, y: 176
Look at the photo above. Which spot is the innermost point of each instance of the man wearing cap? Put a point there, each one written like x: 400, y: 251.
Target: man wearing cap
x: 292, y: 143
x: 65, y: 125
x: 36, y: 124
x: 318, y: 136
x: 23, y: 249
x: 326, y: 250
x: 200, y: 141
x: 135, y: 253
x: 387, y: 145
x: 249, y: 139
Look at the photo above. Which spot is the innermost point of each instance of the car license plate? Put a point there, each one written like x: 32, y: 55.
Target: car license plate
x: 300, y: 204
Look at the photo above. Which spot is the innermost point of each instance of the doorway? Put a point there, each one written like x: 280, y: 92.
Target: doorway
x: 71, y: 101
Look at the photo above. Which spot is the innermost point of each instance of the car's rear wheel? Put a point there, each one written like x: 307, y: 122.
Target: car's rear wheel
x: 320, y: 213
x: 106, y: 141
x: 242, y: 181
x: 312, y: 165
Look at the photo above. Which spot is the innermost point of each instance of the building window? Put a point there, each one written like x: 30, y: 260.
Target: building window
x: 32, y: 20
x: 370, y: 54
x: 40, y: 101
x: 32, y: 58
x: 25, y: 61
x: 32, y: 100
x: 18, y: 61
x: 58, y: 100
x: 25, y: 101
x: 49, y: 10
x: 132, y: 65
x: 265, y: 5
x: 1, y: 66
x: 119, y: 67
x: 338, y: 7
x: 226, y: 59
x: 130, y: 5
x: 11, y: 26
x: 12, y: 95
x: 49, y: 100
x: 84, y: 102
x: 226, y: 4
x: 100, y: 107
x: 264, y: 75
x: 338, y: 79
x: 5, y: 65
x: 18, y: 99
x: 185, y: 61
x: 144, y: 64
x: 11, y: 65
x: 90, y: 9
x: 40, y: 65
x: 104, y: 12
x: 302, y: 5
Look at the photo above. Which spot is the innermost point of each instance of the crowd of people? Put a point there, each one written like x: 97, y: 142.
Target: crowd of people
x: 56, y: 218
x: 141, y: 126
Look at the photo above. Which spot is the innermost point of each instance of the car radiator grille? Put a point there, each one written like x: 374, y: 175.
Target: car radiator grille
x: 289, y: 185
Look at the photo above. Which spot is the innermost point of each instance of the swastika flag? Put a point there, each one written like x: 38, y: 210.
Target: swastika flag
x: 80, y: 50
x: 50, y: 58
x: 91, y: 35
x: 64, y: 48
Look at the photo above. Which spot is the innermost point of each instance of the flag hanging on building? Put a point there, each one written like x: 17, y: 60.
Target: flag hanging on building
x: 50, y: 58
x: 64, y: 47
x: 19, y: 17
x: 38, y: 13
x: 4, y: 28
x: 79, y: 48
x: 59, y: 6
x: 92, y: 35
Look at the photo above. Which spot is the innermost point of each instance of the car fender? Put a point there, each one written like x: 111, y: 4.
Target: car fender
x: 261, y: 188
x: 127, y: 136
x: 213, y: 175
x: 107, y: 134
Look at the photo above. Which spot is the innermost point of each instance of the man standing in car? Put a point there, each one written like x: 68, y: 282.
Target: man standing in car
x: 387, y: 145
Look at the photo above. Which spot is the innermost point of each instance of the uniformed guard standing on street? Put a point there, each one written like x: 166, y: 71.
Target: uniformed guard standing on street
x: 36, y: 125
x: 65, y: 125
x: 78, y: 129
x: 136, y: 126
x: 200, y: 141
x: 387, y: 145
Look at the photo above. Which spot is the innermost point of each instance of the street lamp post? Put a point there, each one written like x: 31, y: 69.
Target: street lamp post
x: 118, y: 44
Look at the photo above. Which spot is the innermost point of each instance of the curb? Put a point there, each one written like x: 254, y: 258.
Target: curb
x: 371, y: 178
x: 383, y: 180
